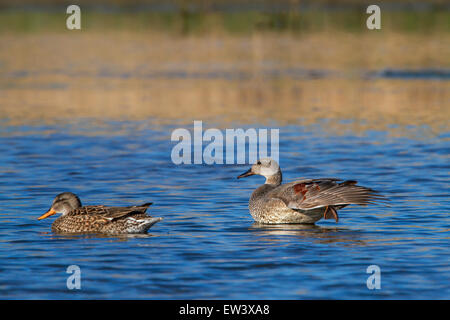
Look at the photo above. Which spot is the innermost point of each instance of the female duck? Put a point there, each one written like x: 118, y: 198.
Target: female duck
x: 97, y: 219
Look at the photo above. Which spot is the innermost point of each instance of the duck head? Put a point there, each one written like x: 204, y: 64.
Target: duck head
x: 64, y: 203
x: 267, y: 168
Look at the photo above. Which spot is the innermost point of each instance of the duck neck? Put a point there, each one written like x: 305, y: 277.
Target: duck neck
x: 274, y: 179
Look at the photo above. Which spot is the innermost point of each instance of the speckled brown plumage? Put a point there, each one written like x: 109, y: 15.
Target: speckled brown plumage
x: 98, y: 219
x: 105, y: 220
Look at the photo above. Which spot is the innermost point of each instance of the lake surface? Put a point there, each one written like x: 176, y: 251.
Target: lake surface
x: 207, y: 246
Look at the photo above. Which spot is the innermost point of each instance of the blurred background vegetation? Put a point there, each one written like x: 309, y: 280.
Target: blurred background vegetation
x: 234, y: 16
x: 285, y: 61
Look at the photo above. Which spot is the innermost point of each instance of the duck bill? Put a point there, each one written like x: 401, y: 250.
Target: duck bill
x: 246, y: 174
x: 47, y: 214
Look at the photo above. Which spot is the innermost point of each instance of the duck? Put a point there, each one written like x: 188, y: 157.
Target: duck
x: 303, y: 201
x: 76, y: 218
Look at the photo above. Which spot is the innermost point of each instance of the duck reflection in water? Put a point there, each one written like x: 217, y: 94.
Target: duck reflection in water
x: 309, y: 231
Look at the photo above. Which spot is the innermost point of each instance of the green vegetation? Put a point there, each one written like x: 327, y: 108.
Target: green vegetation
x: 187, y: 21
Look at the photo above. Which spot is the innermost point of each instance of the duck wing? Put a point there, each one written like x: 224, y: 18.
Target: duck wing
x: 309, y: 194
x: 111, y: 213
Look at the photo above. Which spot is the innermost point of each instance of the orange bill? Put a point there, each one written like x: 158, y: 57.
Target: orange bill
x: 47, y: 214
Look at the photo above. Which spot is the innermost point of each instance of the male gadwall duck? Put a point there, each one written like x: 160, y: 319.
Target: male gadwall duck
x: 97, y: 219
x: 302, y: 201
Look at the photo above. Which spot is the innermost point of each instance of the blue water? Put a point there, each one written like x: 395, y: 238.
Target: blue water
x: 207, y: 246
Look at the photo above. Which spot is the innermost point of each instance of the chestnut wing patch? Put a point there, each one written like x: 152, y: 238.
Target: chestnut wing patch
x: 311, y: 188
x: 329, y: 192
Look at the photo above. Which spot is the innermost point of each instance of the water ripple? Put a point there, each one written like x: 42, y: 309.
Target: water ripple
x: 208, y: 246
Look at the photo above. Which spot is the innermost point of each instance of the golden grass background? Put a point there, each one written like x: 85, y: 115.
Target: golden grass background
x: 59, y: 76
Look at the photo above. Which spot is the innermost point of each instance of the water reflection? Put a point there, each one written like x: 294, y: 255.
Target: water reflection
x: 218, y: 83
x: 316, y: 233
x: 77, y: 236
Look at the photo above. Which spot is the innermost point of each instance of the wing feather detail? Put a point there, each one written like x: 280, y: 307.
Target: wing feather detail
x: 310, y: 194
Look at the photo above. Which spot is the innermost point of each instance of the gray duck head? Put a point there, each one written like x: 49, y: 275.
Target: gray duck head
x: 267, y: 168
